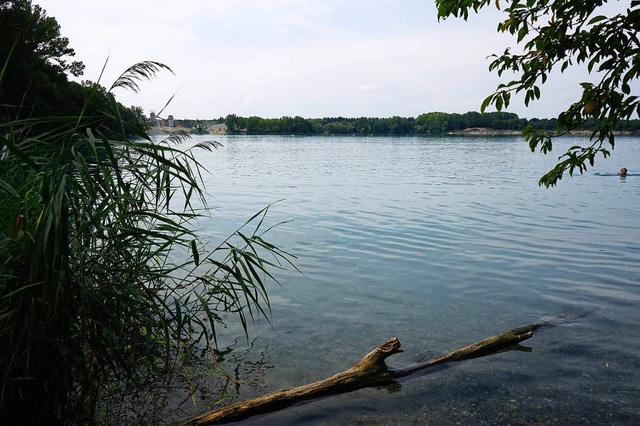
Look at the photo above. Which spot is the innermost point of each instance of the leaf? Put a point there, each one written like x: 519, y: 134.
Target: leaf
x: 626, y: 89
x: 485, y: 103
x: 194, y: 251
x: 6, y: 187
x: 522, y: 33
x: 596, y: 19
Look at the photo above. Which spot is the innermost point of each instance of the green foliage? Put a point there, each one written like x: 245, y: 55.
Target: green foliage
x: 558, y: 34
x: 35, y: 59
x: 103, y: 278
x: 433, y: 123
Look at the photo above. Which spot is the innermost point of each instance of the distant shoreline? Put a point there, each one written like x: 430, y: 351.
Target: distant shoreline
x: 221, y: 129
x: 471, y: 123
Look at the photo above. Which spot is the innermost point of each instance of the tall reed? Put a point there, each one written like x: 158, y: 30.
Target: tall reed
x: 103, y: 277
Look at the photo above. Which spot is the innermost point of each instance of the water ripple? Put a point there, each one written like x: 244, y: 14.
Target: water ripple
x: 438, y: 237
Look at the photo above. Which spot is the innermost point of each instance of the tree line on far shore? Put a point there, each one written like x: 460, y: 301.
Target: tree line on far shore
x: 433, y: 123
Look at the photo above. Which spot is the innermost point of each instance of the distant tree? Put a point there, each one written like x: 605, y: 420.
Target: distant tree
x: 135, y: 114
x: 36, y: 60
x: 473, y: 119
x: 301, y: 126
x: 559, y: 34
x: 381, y: 127
x: 231, y: 121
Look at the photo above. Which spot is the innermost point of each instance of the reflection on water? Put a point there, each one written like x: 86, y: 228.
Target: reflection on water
x: 441, y: 242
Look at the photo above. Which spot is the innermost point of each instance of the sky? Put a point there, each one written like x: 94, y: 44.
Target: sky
x: 273, y: 58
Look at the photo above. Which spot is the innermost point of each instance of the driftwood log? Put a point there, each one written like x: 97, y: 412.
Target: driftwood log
x: 368, y: 372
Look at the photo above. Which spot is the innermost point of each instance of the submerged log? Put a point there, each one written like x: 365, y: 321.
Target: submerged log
x: 370, y: 371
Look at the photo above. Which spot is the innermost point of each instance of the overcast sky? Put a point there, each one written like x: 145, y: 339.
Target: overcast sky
x: 272, y: 58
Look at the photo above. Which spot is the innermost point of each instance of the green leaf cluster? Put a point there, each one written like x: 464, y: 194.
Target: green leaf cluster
x: 557, y: 34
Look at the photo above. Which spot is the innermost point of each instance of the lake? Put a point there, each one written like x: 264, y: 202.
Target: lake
x: 440, y: 242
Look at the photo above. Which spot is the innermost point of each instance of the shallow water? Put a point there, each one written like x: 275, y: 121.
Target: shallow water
x: 441, y: 242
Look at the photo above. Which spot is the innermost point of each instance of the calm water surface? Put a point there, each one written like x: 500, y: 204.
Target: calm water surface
x: 440, y: 242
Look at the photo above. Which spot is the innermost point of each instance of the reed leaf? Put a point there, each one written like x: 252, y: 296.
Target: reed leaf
x: 136, y: 73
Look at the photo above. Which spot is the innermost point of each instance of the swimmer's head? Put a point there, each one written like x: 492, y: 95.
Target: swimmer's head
x: 623, y: 171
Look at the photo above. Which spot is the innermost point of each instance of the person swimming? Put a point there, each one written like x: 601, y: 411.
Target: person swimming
x: 623, y: 171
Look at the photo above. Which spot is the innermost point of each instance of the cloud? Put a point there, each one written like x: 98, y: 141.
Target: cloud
x: 252, y: 99
x: 293, y: 57
x: 368, y: 87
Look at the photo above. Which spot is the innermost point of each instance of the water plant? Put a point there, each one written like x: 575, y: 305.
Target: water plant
x: 103, y: 277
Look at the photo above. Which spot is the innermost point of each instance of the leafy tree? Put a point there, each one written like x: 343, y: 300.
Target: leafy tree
x: 135, y: 114
x: 35, y: 58
x: 232, y: 123
x: 559, y: 34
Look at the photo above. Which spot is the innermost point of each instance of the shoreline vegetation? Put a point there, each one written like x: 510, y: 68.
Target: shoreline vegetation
x: 430, y: 124
x: 107, y: 290
x: 109, y: 294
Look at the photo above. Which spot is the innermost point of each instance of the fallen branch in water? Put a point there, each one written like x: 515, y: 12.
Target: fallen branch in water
x: 368, y: 372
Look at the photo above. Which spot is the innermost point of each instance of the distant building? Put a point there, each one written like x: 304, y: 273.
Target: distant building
x: 170, y: 121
